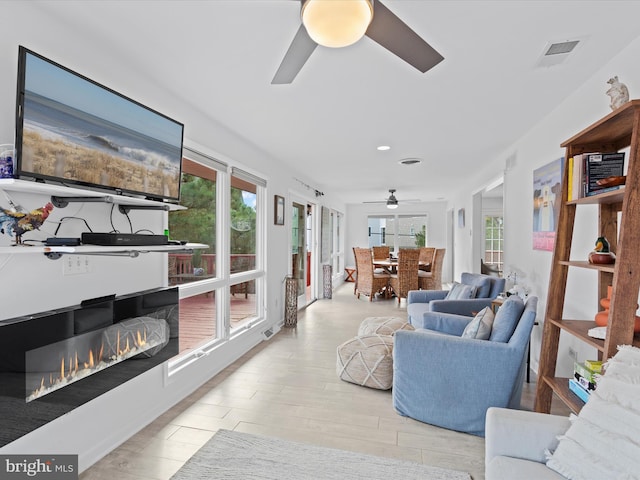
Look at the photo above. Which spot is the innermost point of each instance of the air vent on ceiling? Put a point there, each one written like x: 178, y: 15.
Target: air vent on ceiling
x: 410, y: 161
x: 563, y: 47
x: 555, y: 53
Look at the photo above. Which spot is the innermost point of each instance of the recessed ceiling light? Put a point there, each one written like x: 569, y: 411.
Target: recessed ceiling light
x: 410, y: 161
x: 382, y: 148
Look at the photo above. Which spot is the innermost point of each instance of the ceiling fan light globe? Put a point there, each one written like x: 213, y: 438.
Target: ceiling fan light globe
x: 392, y: 205
x: 336, y: 23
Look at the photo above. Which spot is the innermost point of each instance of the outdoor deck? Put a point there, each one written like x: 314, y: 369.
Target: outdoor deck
x: 198, y: 317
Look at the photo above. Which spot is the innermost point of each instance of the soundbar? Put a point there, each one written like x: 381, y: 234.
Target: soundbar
x: 123, y: 239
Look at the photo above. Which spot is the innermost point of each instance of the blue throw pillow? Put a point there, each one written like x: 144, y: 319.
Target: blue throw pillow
x: 481, y: 282
x: 480, y: 327
x: 507, y: 319
x: 459, y: 291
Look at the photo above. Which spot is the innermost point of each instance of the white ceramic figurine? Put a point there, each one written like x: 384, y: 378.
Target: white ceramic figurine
x: 618, y: 93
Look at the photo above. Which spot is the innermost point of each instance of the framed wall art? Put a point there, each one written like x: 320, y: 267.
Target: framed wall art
x: 547, y: 184
x: 278, y: 209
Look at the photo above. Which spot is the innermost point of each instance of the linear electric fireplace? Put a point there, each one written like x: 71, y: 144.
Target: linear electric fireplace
x: 53, y: 362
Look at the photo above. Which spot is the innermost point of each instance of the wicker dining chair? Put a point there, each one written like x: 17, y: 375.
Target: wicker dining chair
x: 381, y: 253
x: 433, y: 280
x: 407, y: 277
x: 368, y: 283
x: 426, y: 258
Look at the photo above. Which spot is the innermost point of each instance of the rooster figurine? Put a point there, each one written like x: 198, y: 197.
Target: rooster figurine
x: 18, y: 223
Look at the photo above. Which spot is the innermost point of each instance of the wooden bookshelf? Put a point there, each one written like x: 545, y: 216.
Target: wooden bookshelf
x: 614, y: 132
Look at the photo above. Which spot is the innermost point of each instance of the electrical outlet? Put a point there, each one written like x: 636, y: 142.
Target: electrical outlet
x: 75, y: 265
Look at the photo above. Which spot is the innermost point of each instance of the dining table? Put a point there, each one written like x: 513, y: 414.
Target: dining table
x: 390, y: 265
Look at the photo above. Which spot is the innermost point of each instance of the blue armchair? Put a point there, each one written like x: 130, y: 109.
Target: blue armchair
x: 449, y: 381
x: 421, y: 301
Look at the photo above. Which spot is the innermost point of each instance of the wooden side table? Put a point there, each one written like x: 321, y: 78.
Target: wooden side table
x: 350, y: 271
x: 496, y: 303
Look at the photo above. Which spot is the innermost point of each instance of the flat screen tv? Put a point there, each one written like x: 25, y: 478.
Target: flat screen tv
x: 73, y: 131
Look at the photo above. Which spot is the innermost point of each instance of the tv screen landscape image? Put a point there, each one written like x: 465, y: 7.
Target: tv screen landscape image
x: 72, y: 130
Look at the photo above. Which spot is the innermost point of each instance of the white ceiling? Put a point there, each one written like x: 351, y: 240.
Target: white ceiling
x: 219, y: 57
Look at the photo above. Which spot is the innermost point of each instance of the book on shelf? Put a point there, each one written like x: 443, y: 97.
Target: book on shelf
x: 589, y: 375
x: 585, y: 170
x: 598, y: 166
x: 603, y: 190
x: 570, y: 182
x: 594, y: 365
x: 576, y: 388
x: 576, y: 183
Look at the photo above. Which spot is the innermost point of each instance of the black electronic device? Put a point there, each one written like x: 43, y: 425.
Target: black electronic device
x: 89, y: 135
x: 62, y: 242
x: 123, y: 239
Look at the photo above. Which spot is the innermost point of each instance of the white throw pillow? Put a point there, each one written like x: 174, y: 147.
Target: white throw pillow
x: 460, y: 291
x: 603, y: 441
x: 480, y: 327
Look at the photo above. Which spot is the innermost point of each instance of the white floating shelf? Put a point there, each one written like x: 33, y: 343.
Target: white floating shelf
x: 26, y: 186
x: 128, y: 250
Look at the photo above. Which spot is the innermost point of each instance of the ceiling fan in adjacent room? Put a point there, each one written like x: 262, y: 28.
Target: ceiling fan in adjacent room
x: 392, y: 201
x: 339, y: 23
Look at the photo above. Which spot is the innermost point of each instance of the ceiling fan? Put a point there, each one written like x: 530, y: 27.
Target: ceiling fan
x: 392, y: 201
x: 378, y: 23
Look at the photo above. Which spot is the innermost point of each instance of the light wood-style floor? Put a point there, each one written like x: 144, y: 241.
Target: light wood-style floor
x: 287, y: 387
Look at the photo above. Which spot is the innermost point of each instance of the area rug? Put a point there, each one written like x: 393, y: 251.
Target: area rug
x: 241, y: 456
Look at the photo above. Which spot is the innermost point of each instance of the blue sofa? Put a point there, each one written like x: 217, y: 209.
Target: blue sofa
x: 421, y: 301
x: 449, y: 381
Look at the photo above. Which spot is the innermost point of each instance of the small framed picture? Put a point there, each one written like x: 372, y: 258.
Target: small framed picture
x: 278, y: 216
x: 461, y: 218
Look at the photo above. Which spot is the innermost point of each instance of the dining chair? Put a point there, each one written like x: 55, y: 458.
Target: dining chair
x: 368, y: 283
x: 426, y: 258
x: 407, y: 277
x: 381, y: 252
x: 433, y: 280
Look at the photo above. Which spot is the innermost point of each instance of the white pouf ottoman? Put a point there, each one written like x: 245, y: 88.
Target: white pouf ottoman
x: 367, y: 360
x: 383, y: 325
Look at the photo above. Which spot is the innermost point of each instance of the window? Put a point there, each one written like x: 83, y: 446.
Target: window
x: 195, y: 272
x: 493, y: 239
x: 219, y: 292
x: 398, y: 231
x: 197, y: 224
x: 245, y: 203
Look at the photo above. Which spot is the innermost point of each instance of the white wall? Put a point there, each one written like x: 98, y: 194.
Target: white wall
x: 357, y: 227
x: 34, y: 283
x: 538, y: 147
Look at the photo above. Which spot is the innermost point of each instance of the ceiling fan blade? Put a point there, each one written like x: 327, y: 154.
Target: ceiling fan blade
x: 299, y: 51
x: 393, y: 34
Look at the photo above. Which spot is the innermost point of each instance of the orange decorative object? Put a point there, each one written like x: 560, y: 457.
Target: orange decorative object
x: 602, y: 317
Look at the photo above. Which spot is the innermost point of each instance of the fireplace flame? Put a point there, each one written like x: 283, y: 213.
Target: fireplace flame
x: 98, y: 358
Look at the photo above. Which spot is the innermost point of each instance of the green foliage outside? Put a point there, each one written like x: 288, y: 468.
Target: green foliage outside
x: 197, y: 224
x: 421, y: 237
x: 243, y: 224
